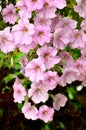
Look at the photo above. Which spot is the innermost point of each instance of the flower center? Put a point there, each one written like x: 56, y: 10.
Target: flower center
x: 46, y: 55
x: 25, y: 30
x: 34, y: 0
x: 45, y: 112
x: 46, y: 5
x: 40, y: 33
x: 37, y: 68
x: 4, y: 40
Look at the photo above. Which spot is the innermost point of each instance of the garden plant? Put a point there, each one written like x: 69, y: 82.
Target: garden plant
x: 42, y: 64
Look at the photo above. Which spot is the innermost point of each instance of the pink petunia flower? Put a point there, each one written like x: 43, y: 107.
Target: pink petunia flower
x: 55, y: 21
x: 30, y: 111
x: 24, y: 11
x: 46, y: 113
x: 51, y: 80
x: 42, y: 21
x: 78, y: 39
x: 19, y: 92
x: 66, y: 59
x: 81, y: 8
x: 42, y: 35
x: 60, y: 4
x: 26, y: 48
x: 34, y: 70
x: 38, y: 93
x: 48, y: 10
x: 23, y: 32
x: 80, y: 66
x: 61, y: 38
x: 9, y: 14
x: 7, y: 43
x: 34, y: 5
x: 69, y: 75
x: 83, y: 25
x: 48, y: 55
x: 59, y: 101
x: 67, y: 23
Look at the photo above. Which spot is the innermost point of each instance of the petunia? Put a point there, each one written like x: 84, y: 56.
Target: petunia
x: 9, y: 14
x: 59, y: 101
x: 46, y: 113
x: 42, y: 35
x: 34, y: 70
x: 38, y: 93
x: 23, y: 31
x: 48, y: 55
x: 24, y: 11
x: 7, y: 43
x: 30, y: 111
x: 19, y: 91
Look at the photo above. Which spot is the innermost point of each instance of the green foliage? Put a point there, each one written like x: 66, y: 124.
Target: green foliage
x: 76, y: 54
x: 16, y: 59
x: 46, y: 127
x: 17, y: 56
x: 8, y: 78
x: 1, y: 59
x: 71, y: 92
x: 19, y: 105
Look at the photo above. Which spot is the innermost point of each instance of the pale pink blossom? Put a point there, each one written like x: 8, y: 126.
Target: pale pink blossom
x: 67, y: 24
x: 81, y: 8
x: 26, y: 48
x: 69, y: 75
x: 60, y: 4
x: 30, y: 111
x: 46, y: 113
x: 19, y: 91
x: 83, y: 51
x: 24, y: 11
x: 23, y: 32
x: 80, y: 66
x: 48, y: 55
x: 61, y: 38
x: 34, y: 70
x: 42, y: 35
x: 59, y: 101
x: 51, y: 80
x: 55, y: 21
x: 34, y: 5
x: 48, y: 10
x: 83, y: 25
x: 66, y: 59
x: 23, y: 62
x: 37, y: 93
x: 7, y: 43
x: 41, y: 21
x: 78, y: 39
x: 9, y: 14
x: 47, y: 13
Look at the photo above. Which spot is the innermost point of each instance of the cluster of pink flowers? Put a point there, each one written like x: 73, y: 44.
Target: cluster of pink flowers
x: 36, y: 24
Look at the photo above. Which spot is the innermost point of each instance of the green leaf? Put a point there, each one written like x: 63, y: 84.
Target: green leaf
x: 71, y: 92
x: 76, y: 53
x: 19, y: 106
x: 1, y: 59
x: 17, y: 57
x: 8, y: 78
x: 46, y: 127
x: 17, y: 66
